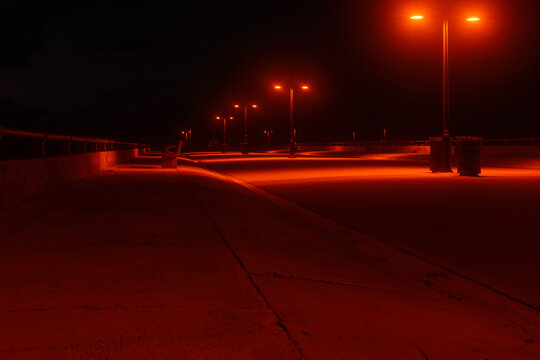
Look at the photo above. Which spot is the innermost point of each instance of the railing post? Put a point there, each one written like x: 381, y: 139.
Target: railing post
x: 43, y: 142
x: 1, y: 135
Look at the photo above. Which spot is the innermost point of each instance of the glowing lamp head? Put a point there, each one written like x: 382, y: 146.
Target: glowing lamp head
x: 218, y: 118
x: 417, y: 17
x: 254, y: 106
x: 277, y: 87
x: 230, y: 117
x: 236, y: 106
x: 304, y: 87
x: 473, y: 19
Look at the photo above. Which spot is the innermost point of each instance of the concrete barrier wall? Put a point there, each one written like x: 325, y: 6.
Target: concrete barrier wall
x: 513, y: 151
x: 22, y: 180
x: 367, y: 149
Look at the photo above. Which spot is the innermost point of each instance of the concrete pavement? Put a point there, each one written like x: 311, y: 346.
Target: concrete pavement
x: 484, y: 228
x: 141, y: 262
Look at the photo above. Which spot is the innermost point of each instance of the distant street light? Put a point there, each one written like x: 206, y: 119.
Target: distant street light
x: 267, y: 133
x: 446, y: 144
x: 224, y: 148
x: 187, y: 135
x: 244, y: 146
x: 292, y: 142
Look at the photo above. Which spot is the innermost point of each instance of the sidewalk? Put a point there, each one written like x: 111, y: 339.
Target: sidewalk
x: 145, y: 263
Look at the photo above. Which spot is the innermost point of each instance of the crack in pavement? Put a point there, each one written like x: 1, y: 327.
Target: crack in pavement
x: 280, y: 323
x: 322, y: 281
x: 422, y: 353
x: 288, y: 204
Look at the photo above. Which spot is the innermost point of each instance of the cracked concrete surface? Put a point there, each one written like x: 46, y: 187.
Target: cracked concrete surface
x: 150, y: 263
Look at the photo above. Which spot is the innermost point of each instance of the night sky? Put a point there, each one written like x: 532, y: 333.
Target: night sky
x: 144, y: 70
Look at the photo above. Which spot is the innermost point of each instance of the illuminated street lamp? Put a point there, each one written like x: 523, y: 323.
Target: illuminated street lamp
x: 267, y: 133
x: 446, y: 145
x: 224, y: 118
x: 187, y: 134
x: 292, y: 142
x: 244, y: 146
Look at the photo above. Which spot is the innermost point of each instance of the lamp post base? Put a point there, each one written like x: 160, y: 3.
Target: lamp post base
x: 292, y: 149
x: 244, y: 148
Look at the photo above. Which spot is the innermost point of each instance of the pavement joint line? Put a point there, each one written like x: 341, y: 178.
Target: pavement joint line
x: 280, y: 323
x: 84, y: 307
x: 322, y: 281
x: 291, y: 204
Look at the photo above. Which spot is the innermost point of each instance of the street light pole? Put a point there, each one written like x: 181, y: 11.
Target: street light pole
x: 445, y: 165
x: 244, y: 145
x: 268, y: 132
x: 446, y: 141
x: 292, y: 143
x: 224, y: 131
x: 224, y: 146
x: 245, y: 124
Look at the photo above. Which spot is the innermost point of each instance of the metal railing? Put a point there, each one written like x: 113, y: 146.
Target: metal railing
x: 16, y: 144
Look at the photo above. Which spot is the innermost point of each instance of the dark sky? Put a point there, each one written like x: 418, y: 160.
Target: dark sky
x: 143, y: 70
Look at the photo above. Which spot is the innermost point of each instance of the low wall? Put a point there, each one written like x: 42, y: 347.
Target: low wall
x: 492, y: 151
x: 514, y: 151
x: 21, y: 180
x: 367, y: 149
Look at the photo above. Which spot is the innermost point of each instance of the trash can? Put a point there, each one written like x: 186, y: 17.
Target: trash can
x: 435, y: 154
x: 168, y: 158
x: 468, y: 155
x: 438, y: 158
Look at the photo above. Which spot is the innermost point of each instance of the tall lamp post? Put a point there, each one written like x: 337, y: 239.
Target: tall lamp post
x: 267, y: 133
x: 244, y: 146
x: 445, y: 165
x: 224, y: 146
x: 292, y: 141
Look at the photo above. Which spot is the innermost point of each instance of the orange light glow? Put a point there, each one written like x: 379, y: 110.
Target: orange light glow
x: 417, y: 17
x: 254, y: 106
x: 231, y: 118
x: 473, y: 19
x: 236, y: 106
x: 277, y: 87
x: 218, y: 118
x: 305, y: 87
